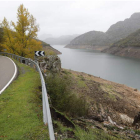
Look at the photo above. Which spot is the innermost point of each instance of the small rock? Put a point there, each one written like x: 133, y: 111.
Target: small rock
x: 93, y: 127
x: 106, y: 123
x: 55, y: 133
x: 135, y: 89
x: 120, y: 127
x: 132, y: 132
x: 110, y: 120
x: 138, y: 136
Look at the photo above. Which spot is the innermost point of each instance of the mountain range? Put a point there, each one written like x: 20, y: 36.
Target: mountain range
x: 101, y: 40
x: 62, y: 40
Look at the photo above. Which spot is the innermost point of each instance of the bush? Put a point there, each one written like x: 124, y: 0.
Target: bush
x: 61, y: 97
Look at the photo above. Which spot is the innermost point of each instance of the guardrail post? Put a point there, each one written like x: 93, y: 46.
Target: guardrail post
x: 26, y: 61
x: 17, y: 58
x: 20, y: 60
x: 30, y: 64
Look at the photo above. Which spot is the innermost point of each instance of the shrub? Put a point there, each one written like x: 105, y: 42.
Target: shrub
x: 62, y: 98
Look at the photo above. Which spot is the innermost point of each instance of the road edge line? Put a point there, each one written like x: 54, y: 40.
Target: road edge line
x: 12, y: 76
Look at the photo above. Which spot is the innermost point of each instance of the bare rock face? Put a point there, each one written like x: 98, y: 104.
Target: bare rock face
x: 50, y: 63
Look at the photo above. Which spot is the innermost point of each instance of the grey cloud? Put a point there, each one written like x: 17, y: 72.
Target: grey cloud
x: 66, y: 18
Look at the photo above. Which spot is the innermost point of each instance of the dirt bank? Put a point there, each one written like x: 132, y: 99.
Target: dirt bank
x: 106, y: 99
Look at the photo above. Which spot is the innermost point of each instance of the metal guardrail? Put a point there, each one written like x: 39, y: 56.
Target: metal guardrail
x: 46, y: 109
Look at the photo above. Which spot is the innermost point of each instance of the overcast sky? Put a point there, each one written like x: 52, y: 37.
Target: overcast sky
x: 72, y: 17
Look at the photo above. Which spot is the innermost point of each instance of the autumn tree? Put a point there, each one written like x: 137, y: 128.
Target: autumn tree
x: 9, y: 40
x: 1, y: 39
x: 1, y: 34
x: 20, y: 36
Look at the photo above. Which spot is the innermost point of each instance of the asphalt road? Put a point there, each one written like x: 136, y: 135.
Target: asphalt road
x: 7, y: 72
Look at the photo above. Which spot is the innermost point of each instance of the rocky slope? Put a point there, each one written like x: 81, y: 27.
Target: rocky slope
x: 110, y: 104
x: 129, y: 46
x: 112, y: 108
x: 116, y: 32
x: 107, y: 99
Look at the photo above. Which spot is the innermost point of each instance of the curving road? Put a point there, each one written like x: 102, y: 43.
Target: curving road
x: 8, y: 72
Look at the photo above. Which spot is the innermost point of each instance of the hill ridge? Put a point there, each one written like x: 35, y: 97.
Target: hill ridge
x: 117, y: 31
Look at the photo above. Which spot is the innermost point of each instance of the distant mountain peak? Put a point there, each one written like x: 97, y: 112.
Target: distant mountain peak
x: 62, y: 40
x: 135, y: 15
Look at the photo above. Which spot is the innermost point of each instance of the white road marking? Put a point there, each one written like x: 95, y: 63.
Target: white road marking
x: 12, y: 76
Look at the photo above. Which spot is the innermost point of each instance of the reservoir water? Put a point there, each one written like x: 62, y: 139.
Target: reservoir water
x: 114, y: 68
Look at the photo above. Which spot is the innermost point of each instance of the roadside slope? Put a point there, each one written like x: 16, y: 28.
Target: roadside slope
x: 93, y: 104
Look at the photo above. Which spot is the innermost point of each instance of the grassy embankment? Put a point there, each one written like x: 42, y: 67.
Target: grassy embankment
x: 20, y: 108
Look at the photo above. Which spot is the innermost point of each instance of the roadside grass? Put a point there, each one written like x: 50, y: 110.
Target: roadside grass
x: 21, y: 108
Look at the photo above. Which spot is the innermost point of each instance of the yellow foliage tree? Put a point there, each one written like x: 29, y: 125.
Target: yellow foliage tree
x: 1, y: 39
x: 20, y: 37
x: 8, y: 43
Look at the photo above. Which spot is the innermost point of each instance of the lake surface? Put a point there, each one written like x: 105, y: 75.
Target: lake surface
x: 114, y: 68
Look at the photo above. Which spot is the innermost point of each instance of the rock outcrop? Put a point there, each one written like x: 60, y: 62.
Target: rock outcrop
x: 50, y: 64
